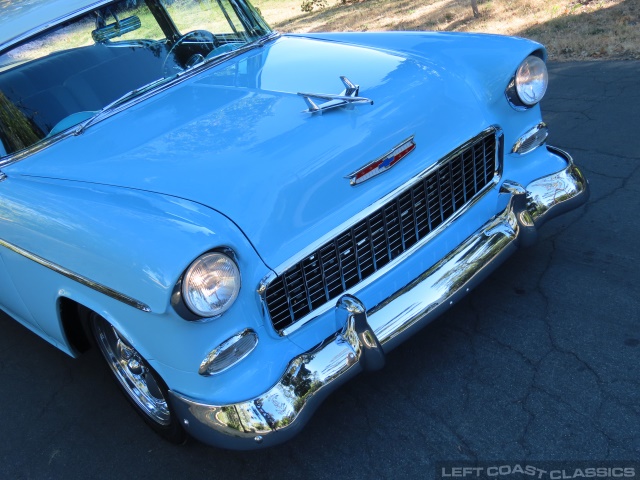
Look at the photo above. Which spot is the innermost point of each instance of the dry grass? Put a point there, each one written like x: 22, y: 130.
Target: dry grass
x: 571, y: 29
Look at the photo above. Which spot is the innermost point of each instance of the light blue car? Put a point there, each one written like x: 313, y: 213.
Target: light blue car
x: 241, y: 221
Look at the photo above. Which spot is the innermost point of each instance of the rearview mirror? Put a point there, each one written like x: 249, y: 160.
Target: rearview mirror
x: 117, y: 29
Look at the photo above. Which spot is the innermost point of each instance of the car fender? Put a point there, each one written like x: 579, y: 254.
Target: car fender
x: 58, y: 233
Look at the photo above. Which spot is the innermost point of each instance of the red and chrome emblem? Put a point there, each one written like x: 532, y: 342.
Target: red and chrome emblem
x: 383, y: 163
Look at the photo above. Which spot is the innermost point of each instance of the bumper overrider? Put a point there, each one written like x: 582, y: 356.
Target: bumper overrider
x: 366, y: 335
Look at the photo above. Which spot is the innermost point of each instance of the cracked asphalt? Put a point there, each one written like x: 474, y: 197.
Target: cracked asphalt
x: 541, y: 362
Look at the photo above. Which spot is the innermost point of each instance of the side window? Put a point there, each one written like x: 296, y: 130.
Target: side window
x: 74, y: 35
x: 20, y: 124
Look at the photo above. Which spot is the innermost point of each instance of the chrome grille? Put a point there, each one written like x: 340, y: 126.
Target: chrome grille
x: 383, y: 235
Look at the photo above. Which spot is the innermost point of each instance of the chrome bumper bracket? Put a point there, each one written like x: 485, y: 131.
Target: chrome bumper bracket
x: 352, y: 314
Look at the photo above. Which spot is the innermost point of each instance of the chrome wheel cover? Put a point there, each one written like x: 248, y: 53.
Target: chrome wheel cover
x: 133, y: 373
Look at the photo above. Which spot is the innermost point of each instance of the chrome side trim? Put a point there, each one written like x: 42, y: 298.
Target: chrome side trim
x: 363, y: 337
x: 262, y: 287
x: 77, y: 278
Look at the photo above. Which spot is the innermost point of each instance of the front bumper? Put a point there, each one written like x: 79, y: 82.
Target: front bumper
x: 366, y: 335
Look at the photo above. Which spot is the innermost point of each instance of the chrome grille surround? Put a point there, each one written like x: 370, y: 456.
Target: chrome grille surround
x: 360, y: 251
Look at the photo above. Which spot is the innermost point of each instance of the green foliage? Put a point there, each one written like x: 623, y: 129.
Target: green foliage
x: 16, y: 130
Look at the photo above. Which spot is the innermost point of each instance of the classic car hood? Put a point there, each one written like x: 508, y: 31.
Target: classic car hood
x: 237, y: 140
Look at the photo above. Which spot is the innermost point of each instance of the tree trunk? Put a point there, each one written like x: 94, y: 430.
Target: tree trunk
x: 474, y: 7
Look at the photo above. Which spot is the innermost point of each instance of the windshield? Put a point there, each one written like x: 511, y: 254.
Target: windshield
x: 68, y: 74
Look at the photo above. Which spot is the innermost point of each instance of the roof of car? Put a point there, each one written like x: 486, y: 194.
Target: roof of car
x: 19, y: 18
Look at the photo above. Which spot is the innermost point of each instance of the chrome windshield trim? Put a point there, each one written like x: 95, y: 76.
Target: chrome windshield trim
x: 76, y: 277
x: 262, y: 287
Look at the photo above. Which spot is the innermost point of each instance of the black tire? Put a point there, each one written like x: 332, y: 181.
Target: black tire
x: 138, y: 381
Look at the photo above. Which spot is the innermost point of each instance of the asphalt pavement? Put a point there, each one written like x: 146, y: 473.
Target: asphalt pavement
x: 539, y: 363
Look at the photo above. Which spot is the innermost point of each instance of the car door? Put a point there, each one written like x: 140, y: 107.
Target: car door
x: 18, y: 285
x: 10, y: 300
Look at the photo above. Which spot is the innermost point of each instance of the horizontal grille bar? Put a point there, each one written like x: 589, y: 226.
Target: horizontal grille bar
x: 382, y: 236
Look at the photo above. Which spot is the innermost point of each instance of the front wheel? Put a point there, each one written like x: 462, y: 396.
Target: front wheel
x: 140, y: 383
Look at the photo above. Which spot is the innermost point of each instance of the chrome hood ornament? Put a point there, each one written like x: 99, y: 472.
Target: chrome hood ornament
x: 348, y: 98
x: 383, y: 163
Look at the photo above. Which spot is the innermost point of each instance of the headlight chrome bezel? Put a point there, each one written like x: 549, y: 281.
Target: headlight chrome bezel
x: 200, y: 276
x: 531, y: 73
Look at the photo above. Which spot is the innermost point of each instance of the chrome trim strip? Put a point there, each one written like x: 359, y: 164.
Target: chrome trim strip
x: 77, y: 278
x: 262, y: 287
x: 364, y: 337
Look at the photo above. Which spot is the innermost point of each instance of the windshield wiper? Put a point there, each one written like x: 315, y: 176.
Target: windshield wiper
x: 267, y: 38
x: 109, y: 108
x: 260, y: 42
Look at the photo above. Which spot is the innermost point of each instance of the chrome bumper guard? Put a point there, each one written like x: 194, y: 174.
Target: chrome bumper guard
x: 365, y: 335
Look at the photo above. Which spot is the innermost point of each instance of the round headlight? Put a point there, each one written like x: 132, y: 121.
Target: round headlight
x: 211, y: 284
x: 532, y: 79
